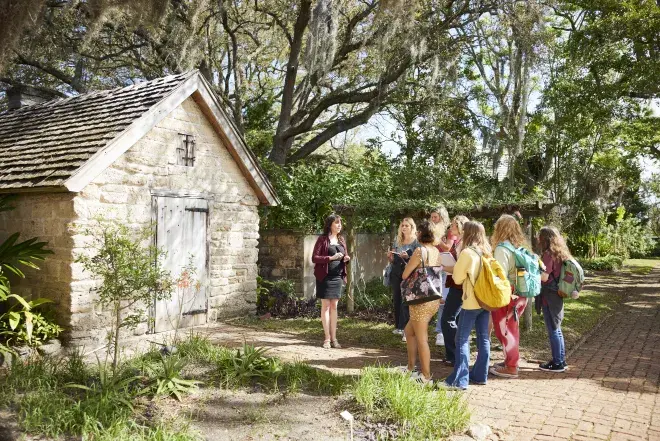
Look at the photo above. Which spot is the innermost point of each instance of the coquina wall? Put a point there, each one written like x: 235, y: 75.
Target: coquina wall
x: 288, y: 254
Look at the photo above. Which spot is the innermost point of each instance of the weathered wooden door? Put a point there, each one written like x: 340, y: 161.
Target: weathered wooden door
x: 181, y: 229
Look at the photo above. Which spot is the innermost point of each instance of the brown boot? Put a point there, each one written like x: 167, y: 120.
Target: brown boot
x: 504, y: 371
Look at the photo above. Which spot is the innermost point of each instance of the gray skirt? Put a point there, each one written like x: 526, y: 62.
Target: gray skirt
x: 329, y: 288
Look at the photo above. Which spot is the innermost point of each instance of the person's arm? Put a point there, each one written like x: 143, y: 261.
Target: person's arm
x: 413, y: 263
x: 446, y: 244
x: 462, y: 267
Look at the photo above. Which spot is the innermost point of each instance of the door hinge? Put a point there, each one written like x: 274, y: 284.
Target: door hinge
x: 197, y: 210
x: 195, y: 312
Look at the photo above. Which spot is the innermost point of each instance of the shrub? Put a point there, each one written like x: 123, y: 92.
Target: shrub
x: 280, y: 300
x: 372, y: 296
x: 606, y: 263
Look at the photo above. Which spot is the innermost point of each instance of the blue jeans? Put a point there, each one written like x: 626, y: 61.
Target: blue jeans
x: 449, y: 321
x: 461, y: 376
x: 556, y: 338
x: 445, y: 292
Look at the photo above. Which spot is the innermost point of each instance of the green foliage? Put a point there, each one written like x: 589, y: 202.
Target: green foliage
x: 605, y: 263
x: 246, y: 366
x: 67, y: 398
x: 130, y: 274
x: 280, y: 300
x: 373, y: 296
x: 22, y: 324
x: 616, y: 234
x: 168, y: 380
x: 420, y: 412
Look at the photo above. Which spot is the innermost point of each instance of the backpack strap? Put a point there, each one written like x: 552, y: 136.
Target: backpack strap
x: 480, y: 265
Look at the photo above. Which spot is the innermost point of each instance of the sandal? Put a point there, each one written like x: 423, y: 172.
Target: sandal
x: 326, y: 344
x: 335, y: 344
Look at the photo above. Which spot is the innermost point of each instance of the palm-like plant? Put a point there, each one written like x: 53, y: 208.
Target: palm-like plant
x: 19, y: 316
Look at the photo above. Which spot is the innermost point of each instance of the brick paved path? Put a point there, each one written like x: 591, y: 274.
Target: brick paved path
x: 610, y: 391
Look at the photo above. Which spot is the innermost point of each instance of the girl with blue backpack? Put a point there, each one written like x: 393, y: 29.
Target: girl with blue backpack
x: 511, y: 252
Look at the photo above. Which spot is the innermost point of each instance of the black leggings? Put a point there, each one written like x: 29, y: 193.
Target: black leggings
x: 449, y: 320
x: 401, y: 312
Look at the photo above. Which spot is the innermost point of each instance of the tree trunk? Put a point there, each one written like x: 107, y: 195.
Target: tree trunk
x: 282, y: 146
x: 529, y: 309
x: 350, y: 277
x: 115, y: 358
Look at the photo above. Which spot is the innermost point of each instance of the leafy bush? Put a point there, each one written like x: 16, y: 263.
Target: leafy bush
x: 373, y: 296
x: 22, y: 324
x: 606, y: 263
x: 419, y: 412
x: 248, y: 365
x: 168, y: 381
x: 280, y: 300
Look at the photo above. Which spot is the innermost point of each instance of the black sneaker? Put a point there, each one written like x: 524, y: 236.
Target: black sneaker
x: 553, y: 367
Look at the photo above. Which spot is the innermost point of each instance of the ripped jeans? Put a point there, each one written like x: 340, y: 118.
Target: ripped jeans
x: 450, y: 321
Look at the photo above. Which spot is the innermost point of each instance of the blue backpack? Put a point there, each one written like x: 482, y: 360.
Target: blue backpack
x: 528, y: 271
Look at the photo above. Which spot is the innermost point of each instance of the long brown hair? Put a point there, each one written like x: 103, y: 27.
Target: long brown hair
x: 328, y: 223
x: 474, y: 235
x: 508, y: 228
x: 551, y: 240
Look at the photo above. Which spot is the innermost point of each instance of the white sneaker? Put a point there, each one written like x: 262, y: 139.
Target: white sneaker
x: 403, y: 339
x: 397, y: 331
x: 440, y: 340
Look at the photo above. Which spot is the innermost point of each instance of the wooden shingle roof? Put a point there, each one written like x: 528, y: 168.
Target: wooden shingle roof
x: 43, y: 145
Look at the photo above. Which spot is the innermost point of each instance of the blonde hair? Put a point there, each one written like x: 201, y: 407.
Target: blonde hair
x: 413, y: 229
x: 460, y: 222
x: 551, y: 240
x: 440, y: 228
x: 508, y: 228
x: 474, y: 235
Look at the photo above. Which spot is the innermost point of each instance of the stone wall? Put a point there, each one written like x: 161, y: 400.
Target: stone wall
x: 122, y: 193
x: 48, y: 217
x: 288, y: 255
x: 281, y: 256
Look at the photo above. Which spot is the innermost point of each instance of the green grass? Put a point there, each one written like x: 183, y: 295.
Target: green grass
x: 64, y: 398
x: 418, y: 412
x: 357, y: 332
x: 641, y: 266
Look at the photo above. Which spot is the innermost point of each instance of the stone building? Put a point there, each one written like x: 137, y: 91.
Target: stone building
x: 162, y: 153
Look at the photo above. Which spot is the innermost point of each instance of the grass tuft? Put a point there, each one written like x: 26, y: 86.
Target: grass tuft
x: 419, y: 412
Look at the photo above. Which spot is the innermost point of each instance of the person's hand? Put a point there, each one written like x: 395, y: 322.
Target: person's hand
x: 514, y: 297
x: 404, y: 255
x: 575, y: 295
x: 347, y: 258
x: 337, y: 256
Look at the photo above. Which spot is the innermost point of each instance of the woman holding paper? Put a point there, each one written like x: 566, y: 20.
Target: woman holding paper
x: 440, y: 220
x: 405, y: 244
x: 454, y: 298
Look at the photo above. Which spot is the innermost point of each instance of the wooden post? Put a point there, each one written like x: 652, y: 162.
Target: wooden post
x: 350, y: 277
x: 529, y: 309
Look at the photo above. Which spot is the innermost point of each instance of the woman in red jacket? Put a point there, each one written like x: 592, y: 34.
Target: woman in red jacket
x: 330, y: 258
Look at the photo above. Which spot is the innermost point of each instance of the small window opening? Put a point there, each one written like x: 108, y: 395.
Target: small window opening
x: 186, y: 152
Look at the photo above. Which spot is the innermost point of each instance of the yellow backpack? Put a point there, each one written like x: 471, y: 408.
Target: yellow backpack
x: 491, y: 287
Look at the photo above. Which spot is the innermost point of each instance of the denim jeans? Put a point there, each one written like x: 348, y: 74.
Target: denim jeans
x: 556, y: 338
x: 449, y: 319
x: 461, y: 376
x: 401, y: 310
x: 445, y: 291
